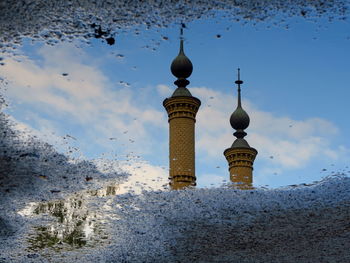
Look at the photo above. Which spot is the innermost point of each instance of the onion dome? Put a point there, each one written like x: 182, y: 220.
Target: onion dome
x: 181, y: 67
x: 239, y: 119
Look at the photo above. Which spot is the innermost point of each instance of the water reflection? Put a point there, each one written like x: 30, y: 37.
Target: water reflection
x: 78, y: 221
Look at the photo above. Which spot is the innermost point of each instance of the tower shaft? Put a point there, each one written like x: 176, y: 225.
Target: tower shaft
x: 182, y: 112
x: 182, y: 108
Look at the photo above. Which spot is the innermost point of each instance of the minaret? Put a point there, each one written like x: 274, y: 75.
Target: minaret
x: 182, y: 108
x: 240, y: 156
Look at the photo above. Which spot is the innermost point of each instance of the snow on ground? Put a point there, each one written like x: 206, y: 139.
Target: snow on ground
x: 304, y: 224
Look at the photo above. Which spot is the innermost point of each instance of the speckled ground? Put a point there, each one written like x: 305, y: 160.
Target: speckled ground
x: 301, y: 224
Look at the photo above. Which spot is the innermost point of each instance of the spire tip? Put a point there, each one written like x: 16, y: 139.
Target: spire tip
x: 239, y: 81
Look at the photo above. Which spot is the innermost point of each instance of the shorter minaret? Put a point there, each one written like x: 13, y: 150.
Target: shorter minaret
x: 240, y: 156
x: 182, y: 108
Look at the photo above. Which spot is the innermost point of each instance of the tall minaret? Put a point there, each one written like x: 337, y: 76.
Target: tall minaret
x: 182, y: 108
x: 240, y: 156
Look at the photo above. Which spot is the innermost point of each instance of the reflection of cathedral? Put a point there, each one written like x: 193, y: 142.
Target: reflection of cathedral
x: 182, y: 108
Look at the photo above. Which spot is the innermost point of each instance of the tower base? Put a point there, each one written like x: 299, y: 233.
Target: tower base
x: 240, y: 161
x: 182, y: 181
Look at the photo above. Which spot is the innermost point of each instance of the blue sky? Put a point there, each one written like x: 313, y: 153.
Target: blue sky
x: 295, y: 90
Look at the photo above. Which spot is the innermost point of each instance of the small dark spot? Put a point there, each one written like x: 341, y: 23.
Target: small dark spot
x: 165, y: 38
x: 271, y: 157
x: 55, y: 191
x: 218, y: 36
x: 99, y: 33
x: 110, y: 41
x: 64, y: 74
x: 87, y: 178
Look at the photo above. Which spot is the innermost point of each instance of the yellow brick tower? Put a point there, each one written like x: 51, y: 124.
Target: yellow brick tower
x: 182, y: 108
x: 240, y: 156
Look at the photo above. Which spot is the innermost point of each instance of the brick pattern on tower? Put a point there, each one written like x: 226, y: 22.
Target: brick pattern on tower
x: 240, y: 161
x: 181, y: 117
x: 182, y: 108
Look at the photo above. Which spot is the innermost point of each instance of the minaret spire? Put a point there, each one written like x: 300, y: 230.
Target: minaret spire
x: 239, y: 82
x: 239, y: 119
x: 181, y: 40
x: 182, y: 68
x: 182, y: 108
x: 240, y: 155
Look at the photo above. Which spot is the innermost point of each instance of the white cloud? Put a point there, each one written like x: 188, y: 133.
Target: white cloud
x: 213, y: 180
x: 164, y: 90
x: 281, y: 141
x: 144, y: 176
x: 85, y: 96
